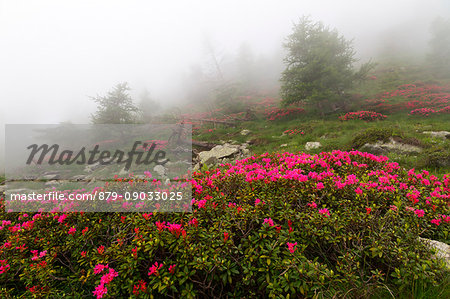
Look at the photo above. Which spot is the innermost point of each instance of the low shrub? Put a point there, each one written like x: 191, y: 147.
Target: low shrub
x: 423, y: 112
x: 371, y: 135
x: 276, y: 113
x: 436, y: 158
x: 363, y: 115
x: 275, y: 225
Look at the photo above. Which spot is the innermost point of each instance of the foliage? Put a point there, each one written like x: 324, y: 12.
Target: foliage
x: 437, y: 157
x: 116, y: 107
x: 371, y: 135
x: 276, y: 113
x: 292, y: 132
x: 429, y: 111
x: 419, y: 97
x: 319, y: 65
x: 363, y: 115
x: 274, y: 225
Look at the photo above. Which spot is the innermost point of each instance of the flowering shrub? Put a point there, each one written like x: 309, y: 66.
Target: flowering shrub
x: 423, y: 112
x: 363, y: 115
x: 333, y: 224
x: 411, y: 96
x: 276, y: 113
x: 444, y: 110
x: 292, y: 132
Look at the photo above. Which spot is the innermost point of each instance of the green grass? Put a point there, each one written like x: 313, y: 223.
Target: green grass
x: 334, y: 134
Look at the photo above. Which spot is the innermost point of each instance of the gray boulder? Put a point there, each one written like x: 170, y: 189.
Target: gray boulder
x: 245, y: 132
x: 442, y: 249
x: 312, y: 145
x: 391, y: 146
x: 160, y: 170
x: 218, y: 152
x: 438, y: 134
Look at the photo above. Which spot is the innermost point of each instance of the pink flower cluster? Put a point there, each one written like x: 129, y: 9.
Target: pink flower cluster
x: 4, y: 266
x: 363, y: 115
x: 415, y: 96
x: 425, y: 112
x: 101, y: 290
x: 275, y: 113
x: 331, y: 172
x: 292, y: 132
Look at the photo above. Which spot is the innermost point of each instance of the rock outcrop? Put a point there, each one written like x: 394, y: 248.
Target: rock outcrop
x: 391, y: 146
x: 312, y: 145
x: 438, y: 134
x: 442, y: 249
x: 221, y: 154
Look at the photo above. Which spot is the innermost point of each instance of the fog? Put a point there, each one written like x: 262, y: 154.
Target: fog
x: 57, y: 54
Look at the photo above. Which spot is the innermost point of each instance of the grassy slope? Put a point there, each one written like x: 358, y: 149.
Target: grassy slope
x: 334, y: 134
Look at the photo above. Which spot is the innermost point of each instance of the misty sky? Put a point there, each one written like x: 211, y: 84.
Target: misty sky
x: 55, y: 54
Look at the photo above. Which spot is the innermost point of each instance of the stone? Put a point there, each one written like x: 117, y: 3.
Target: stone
x: 160, y: 170
x: 50, y: 177
x: 438, y: 134
x: 91, y: 167
x: 80, y: 177
x: 283, y: 145
x: 245, y: 132
x: 391, y: 146
x: 218, y: 152
x: 442, y: 249
x: 245, y: 152
x: 51, y: 183
x: 196, y: 167
x: 312, y: 145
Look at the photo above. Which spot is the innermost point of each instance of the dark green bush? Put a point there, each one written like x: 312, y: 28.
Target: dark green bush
x: 436, y: 158
x: 371, y: 135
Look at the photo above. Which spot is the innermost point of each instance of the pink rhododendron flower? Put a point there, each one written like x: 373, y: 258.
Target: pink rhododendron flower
x: 269, y: 221
x: 107, y: 278
x: 324, y: 212
x: 172, y: 269
x: 175, y: 229
x: 225, y: 236
x: 312, y: 205
x: 101, y: 249
x: 419, y: 213
x: 290, y: 226
x: 292, y: 247
x: 201, y: 203
x: 4, y: 266
x: 153, y: 270
x: 193, y: 222
x: 84, y: 230
x: 100, y: 291
x: 160, y: 225
x: 320, y: 186
x: 72, y: 231
x: 61, y: 218
x: 436, y: 221
x: 99, y: 268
